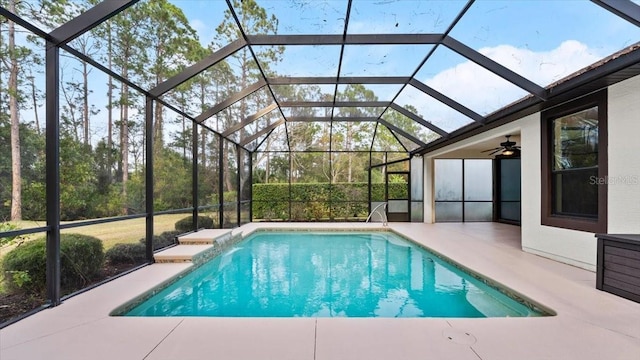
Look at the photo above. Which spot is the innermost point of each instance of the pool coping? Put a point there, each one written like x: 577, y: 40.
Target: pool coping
x: 590, y: 325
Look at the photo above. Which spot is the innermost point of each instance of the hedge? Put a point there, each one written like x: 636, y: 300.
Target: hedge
x: 81, y: 261
x: 186, y: 224
x: 135, y: 253
x: 313, y: 201
x: 165, y: 239
x: 129, y: 254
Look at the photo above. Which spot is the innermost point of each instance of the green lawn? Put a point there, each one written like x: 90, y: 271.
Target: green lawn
x: 126, y: 231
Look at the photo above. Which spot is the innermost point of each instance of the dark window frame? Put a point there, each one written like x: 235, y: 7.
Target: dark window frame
x: 580, y: 223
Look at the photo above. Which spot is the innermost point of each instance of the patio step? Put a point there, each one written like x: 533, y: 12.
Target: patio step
x: 192, y: 245
x: 202, y: 237
x: 180, y: 253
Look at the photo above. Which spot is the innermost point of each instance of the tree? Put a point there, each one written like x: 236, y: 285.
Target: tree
x: 36, y: 97
x: 89, y: 47
x: 76, y: 109
x: 59, y: 12
x: 168, y: 40
x: 32, y: 173
x: 298, y: 136
x: 254, y: 20
x: 104, y: 36
x: 409, y: 125
x: 172, y: 184
x: 20, y: 66
x: 11, y: 56
x: 128, y: 58
x: 356, y: 136
x: 199, y: 87
x: 78, y: 180
x: 209, y: 87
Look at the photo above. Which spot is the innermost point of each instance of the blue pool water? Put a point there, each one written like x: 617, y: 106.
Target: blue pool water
x: 334, y: 274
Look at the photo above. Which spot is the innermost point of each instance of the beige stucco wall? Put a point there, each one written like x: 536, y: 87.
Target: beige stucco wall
x: 569, y: 246
x: 624, y: 157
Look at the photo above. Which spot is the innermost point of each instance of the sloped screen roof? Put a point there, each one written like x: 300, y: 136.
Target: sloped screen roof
x: 417, y: 70
x: 420, y: 69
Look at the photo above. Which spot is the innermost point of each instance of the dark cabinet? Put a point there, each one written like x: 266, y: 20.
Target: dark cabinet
x: 618, y: 267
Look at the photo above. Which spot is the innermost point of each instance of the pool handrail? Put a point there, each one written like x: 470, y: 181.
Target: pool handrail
x: 383, y: 214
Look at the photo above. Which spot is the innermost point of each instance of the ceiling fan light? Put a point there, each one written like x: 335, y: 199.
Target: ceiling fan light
x: 508, y: 152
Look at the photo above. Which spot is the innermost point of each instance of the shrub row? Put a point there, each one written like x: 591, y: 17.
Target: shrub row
x: 186, y: 224
x: 82, y: 258
x: 135, y: 253
x: 127, y: 254
x: 318, y: 200
x: 81, y: 261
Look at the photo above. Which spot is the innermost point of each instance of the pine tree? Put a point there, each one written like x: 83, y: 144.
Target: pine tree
x: 11, y: 56
x: 254, y: 20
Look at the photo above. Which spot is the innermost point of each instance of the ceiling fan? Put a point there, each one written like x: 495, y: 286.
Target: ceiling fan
x: 508, y: 148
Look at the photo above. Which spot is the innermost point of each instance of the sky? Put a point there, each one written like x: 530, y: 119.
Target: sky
x: 542, y: 40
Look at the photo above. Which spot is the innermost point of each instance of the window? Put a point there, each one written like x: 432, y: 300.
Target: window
x: 574, y: 164
x: 463, y: 190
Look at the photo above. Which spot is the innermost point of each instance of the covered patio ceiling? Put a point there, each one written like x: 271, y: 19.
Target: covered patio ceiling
x: 428, y: 73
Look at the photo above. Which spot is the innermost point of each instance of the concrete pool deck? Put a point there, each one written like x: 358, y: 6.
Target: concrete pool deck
x: 590, y: 324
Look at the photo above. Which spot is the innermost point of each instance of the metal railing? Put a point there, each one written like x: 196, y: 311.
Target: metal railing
x: 383, y: 214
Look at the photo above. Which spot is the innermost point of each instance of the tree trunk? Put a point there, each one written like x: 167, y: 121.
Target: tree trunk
x: 267, y: 169
x: 203, y: 132
x: 72, y: 113
x: 158, y: 141
x: 348, y: 147
x: 349, y: 164
x: 158, y: 131
x: 241, y: 115
x: 124, y: 137
x: 184, y: 132
x: 384, y: 168
x: 184, y: 127
x: 225, y: 166
x: 16, y: 163
x: 34, y: 99
x: 85, y: 100
x: 109, y: 101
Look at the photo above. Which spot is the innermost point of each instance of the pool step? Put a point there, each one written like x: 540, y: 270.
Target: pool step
x: 191, y: 245
x: 202, y: 237
x: 180, y: 253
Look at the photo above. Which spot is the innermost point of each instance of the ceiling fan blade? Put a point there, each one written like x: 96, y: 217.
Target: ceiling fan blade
x: 494, y: 149
x: 497, y: 151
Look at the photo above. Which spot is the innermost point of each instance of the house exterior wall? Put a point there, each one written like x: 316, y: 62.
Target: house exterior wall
x: 568, y: 246
x: 624, y: 157
x: 573, y: 247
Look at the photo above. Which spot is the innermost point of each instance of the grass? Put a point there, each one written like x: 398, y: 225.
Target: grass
x: 126, y: 231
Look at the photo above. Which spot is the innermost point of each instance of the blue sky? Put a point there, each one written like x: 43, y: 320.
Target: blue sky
x: 543, y: 40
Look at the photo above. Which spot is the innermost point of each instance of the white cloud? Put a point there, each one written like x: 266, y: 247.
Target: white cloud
x: 205, y: 32
x: 544, y: 67
x: 484, y: 92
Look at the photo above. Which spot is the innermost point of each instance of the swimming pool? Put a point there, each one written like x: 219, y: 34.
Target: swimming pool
x: 330, y: 274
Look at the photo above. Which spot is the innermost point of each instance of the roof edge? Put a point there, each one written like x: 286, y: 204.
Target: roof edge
x: 613, y: 69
